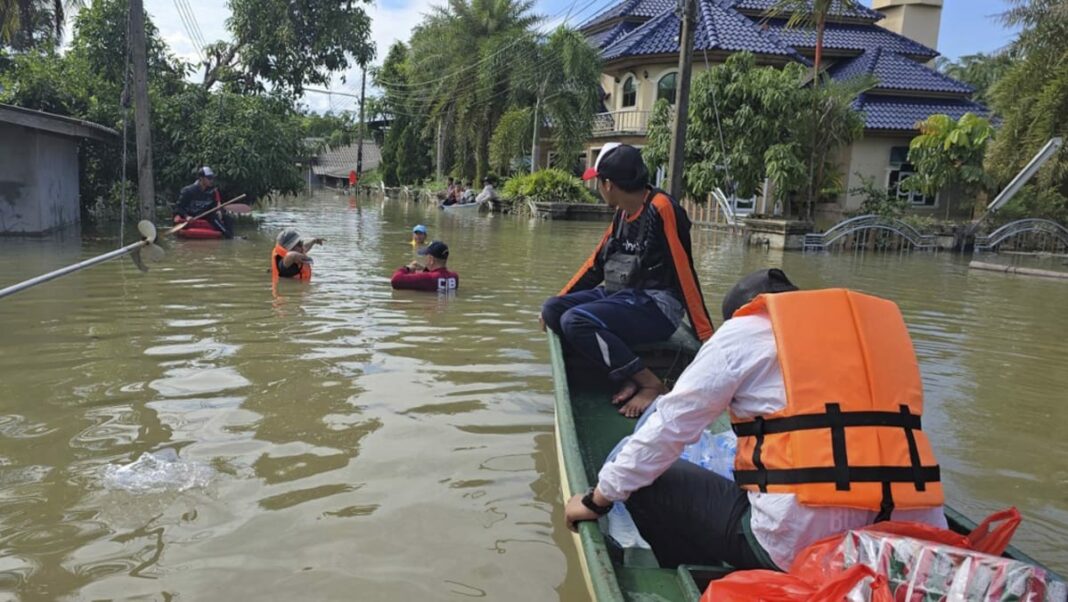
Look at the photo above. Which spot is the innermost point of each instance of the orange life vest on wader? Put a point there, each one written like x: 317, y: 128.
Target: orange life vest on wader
x: 280, y: 252
x: 850, y: 433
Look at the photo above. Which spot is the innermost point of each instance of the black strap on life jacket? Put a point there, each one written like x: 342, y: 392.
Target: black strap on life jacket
x: 841, y: 474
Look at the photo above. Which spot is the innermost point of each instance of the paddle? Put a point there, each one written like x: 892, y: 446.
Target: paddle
x: 148, y: 239
x: 208, y: 212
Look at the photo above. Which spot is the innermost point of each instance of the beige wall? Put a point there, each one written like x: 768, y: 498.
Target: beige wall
x: 870, y: 156
x: 646, y: 85
x: 918, y: 20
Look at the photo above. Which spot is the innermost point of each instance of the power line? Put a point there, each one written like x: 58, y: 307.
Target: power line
x: 189, y: 30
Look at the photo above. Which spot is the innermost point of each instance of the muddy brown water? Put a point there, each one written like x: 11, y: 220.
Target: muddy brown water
x: 379, y: 445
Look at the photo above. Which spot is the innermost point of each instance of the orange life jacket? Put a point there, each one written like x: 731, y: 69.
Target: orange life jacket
x: 280, y: 252
x: 849, y: 435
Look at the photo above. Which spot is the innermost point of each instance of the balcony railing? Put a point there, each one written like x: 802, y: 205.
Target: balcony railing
x: 621, y: 122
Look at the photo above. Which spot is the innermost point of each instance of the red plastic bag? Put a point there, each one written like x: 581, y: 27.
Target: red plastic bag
x: 857, y: 583
x: 994, y: 541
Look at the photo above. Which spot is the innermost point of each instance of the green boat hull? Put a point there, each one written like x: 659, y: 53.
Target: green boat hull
x: 588, y: 427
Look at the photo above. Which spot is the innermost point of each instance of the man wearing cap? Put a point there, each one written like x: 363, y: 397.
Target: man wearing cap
x: 435, y: 276
x: 201, y: 196
x: 289, y: 259
x: 829, y: 438
x: 419, y: 237
x: 636, y: 286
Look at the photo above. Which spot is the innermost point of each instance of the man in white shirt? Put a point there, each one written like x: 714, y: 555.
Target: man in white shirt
x: 690, y: 515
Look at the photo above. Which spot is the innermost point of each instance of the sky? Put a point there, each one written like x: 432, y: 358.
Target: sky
x: 968, y: 26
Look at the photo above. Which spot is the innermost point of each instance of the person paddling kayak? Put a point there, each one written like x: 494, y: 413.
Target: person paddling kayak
x: 200, y: 196
x: 289, y: 259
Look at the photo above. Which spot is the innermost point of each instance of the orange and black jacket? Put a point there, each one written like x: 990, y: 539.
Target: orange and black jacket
x: 660, y: 234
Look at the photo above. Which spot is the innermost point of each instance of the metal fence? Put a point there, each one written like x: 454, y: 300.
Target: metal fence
x: 621, y: 122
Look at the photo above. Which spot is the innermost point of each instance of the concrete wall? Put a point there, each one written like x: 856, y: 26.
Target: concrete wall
x: 646, y: 85
x: 38, y: 181
x: 918, y: 20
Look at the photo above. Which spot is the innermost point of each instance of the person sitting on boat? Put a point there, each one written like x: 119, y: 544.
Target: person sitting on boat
x: 289, y: 259
x: 825, y: 396
x: 637, y: 284
x: 435, y: 276
x: 201, y: 196
x: 468, y: 195
x: 489, y: 193
x: 451, y: 193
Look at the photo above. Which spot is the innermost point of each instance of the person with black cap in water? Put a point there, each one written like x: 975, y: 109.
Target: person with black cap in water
x: 636, y: 286
x: 825, y: 398
x: 200, y: 196
x: 434, y: 276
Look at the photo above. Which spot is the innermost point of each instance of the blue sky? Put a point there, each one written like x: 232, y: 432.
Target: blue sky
x: 968, y: 26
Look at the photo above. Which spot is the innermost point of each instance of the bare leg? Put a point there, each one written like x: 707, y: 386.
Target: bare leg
x: 649, y: 388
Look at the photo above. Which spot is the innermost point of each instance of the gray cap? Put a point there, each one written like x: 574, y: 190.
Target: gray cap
x: 205, y: 172
x: 288, y: 238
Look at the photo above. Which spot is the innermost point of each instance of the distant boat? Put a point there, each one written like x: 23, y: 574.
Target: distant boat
x: 588, y: 427
x: 465, y: 207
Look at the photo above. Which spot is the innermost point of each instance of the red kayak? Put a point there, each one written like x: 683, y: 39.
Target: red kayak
x: 198, y: 228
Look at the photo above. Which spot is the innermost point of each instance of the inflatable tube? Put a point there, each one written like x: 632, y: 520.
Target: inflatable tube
x: 198, y: 229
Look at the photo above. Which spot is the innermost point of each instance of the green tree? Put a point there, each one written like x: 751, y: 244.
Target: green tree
x: 289, y: 44
x: 980, y: 71
x: 27, y: 23
x: 948, y: 155
x: 1031, y: 100
x: 658, y: 142
x: 405, y: 150
x: 511, y: 139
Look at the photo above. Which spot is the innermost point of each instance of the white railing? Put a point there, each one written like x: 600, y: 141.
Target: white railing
x: 621, y: 122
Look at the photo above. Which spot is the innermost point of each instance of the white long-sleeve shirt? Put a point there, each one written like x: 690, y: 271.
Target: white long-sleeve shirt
x: 738, y: 368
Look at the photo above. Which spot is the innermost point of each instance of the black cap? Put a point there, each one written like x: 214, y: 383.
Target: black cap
x: 620, y: 163
x: 435, y: 249
x: 757, y: 283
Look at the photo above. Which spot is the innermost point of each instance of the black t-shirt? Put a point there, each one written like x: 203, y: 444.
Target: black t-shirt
x: 193, y: 200
x: 290, y: 272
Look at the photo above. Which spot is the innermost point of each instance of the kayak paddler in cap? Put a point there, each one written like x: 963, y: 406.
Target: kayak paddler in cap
x: 201, y: 196
x: 289, y: 259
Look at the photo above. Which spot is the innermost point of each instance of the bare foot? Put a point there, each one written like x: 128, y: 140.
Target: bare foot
x: 625, y: 392
x: 641, y: 400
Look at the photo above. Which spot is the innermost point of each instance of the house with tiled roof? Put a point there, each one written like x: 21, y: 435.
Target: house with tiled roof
x: 893, y: 41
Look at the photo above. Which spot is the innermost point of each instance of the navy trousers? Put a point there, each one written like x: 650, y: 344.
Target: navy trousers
x: 603, y: 327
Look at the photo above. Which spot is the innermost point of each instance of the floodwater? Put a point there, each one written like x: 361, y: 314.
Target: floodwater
x: 377, y: 445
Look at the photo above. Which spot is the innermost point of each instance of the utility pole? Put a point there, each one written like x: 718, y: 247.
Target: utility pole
x: 359, y: 148
x: 146, y: 188
x: 439, y: 150
x: 682, y: 100
x: 534, y: 143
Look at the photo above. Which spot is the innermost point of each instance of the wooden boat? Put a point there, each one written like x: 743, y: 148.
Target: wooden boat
x: 587, y: 429
x: 464, y: 207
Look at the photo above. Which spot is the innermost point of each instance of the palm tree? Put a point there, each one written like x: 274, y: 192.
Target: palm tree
x: 20, y: 20
x: 808, y: 14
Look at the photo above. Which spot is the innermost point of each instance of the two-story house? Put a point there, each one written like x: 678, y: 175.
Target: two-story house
x: 639, y: 45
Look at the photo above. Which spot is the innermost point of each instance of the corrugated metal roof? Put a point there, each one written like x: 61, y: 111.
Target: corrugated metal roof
x: 904, y: 113
x: 895, y: 72
x: 338, y: 162
x: 719, y: 27
x: 855, y: 36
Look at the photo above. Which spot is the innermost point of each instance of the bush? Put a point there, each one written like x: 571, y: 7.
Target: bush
x: 878, y: 200
x: 548, y: 185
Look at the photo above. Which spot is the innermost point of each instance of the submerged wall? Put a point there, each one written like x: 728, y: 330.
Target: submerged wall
x: 38, y: 180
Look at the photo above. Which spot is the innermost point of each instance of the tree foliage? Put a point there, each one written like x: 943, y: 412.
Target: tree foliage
x: 748, y: 123
x: 1031, y: 100
x: 511, y: 139
x: 406, y: 149
x: 980, y: 71
x: 811, y: 14
x: 30, y: 23
x: 658, y: 142
x: 289, y: 44
x: 948, y: 155
x: 548, y: 185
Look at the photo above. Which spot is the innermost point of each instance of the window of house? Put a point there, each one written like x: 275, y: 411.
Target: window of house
x: 900, y: 169
x: 665, y: 88
x: 630, y: 92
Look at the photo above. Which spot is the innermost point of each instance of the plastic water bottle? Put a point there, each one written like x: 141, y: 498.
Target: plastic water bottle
x: 713, y: 452
x: 621, y: 528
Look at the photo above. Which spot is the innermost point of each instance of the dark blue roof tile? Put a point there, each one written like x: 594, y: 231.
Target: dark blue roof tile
x: 860, y: 12
x: 895, y: 72
x: 904, y: 113
x: 609, y: 36
x: 719, y: 27
x: 845, y: 36
x: 631, y: 8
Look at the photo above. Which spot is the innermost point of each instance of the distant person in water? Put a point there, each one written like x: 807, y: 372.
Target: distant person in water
x: 637, y: 285
x: 435, y: 276
x: 201, y: 196
x: 289, y: 259
x: 419, y: 237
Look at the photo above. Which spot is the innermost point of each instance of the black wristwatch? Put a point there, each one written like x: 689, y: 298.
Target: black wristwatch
x: 587, y: 501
